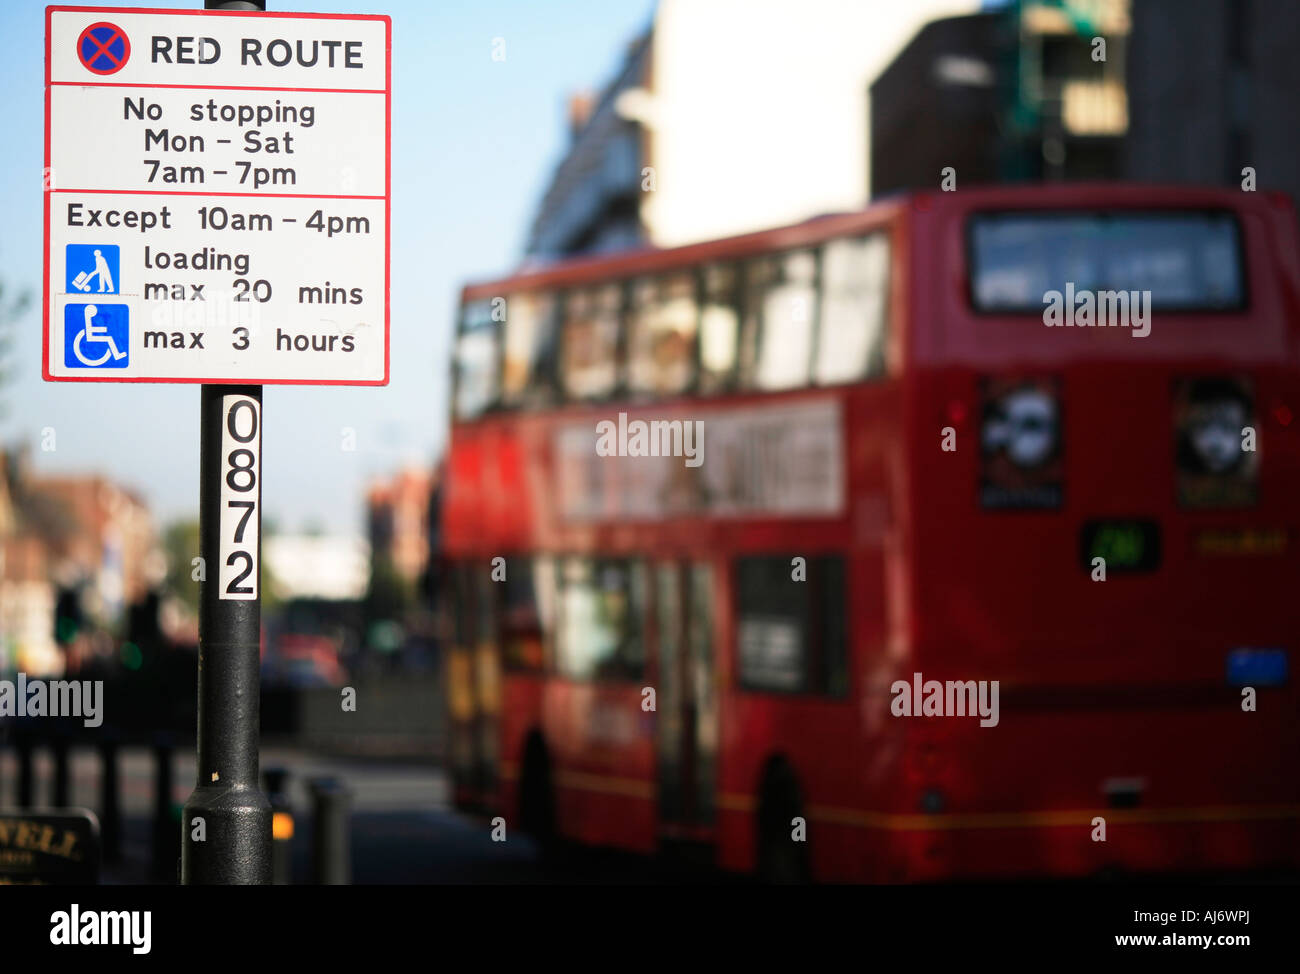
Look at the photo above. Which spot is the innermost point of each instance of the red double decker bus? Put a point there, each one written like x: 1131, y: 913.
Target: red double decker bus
x: 949, y: 538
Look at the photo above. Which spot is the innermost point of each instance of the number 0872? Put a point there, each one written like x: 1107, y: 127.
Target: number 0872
x: 241, y: 491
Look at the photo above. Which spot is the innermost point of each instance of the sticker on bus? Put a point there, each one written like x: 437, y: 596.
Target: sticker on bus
x: 1215, y: 431
x: 1020, y: 444
x: 1248, y: 667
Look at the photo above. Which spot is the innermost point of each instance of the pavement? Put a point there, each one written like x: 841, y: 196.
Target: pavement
x: 403, y: 827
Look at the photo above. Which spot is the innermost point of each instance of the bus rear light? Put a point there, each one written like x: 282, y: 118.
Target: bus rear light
x: 1124, y: 792
x: 933, y: 801
x: 929, y: 759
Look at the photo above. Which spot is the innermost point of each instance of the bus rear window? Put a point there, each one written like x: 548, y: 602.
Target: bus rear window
x: 1189, y: 261
x: 791, y: 624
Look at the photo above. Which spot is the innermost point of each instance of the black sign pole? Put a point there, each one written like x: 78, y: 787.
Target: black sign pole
x: 226, y: 827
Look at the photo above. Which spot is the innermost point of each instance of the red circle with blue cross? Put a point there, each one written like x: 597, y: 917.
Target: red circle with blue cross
x: 103, y: 48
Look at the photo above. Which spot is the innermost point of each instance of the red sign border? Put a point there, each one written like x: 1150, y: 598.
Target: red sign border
x: 388, y: 193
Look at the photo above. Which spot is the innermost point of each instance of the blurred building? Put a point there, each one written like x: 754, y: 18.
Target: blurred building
x: 74, y: 550
x: 726, y: 117
x: 435, y: 571
x: 1032, y: 91
x: 1211, y: 86
x: 332, y: 567
x: 398, y: 512
x: 594, y: 201
x: 27, y: 601
x: 107, y: 541
x: 26, y: 593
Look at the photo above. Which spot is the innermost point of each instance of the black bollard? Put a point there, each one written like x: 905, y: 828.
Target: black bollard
x: 166, y: 838
x: 110, y: 806
x: 26, y: 774
x: 275, y: 782
x: 60, y: 797
x: 331, y: 833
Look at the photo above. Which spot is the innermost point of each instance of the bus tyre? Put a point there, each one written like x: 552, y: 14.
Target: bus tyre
x: 537, y: 796
x: 781, y: 859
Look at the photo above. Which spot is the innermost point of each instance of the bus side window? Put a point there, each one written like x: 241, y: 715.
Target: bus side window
x: 602, y: 611
x: 663, y: 322
x: 477, y: 361
x: 462, y: 605
x: 589, y: 345
x: 830, y: 610
x: 529, y: 349
x: 487, y: 642
x: 855, y: 287
x: 546, y: 588
x: 791, y: 635
x: 459, y: 674
x: 522, y: 643
x: 780, y: 315
x: 719, y: 329
x: 704, y: 664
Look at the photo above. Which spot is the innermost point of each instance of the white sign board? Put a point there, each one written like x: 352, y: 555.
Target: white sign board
x: 217, y: 196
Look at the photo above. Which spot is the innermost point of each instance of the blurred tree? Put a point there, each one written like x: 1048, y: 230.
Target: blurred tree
x: 181, y: 545
x: 11, y: 309
x: 388, y: 595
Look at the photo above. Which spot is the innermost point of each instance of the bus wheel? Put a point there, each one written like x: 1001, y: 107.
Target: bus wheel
x: 781, y: 859
x: 537, y: 795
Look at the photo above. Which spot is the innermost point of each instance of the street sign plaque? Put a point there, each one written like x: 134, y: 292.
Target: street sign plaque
x: 217, y: 196
x: 49, y: 847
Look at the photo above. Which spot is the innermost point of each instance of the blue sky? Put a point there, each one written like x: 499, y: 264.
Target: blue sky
x: 474, y: 141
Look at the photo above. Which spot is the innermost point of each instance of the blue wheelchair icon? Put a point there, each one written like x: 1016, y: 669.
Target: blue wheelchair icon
x: 96, y: 336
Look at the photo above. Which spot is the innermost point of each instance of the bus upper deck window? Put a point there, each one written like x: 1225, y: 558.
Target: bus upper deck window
x: 780, y: 311
x: 476, y: 365
x: 589, y: 346
x: 662, y: 325
x: 855, y: 285
x: 528, y: 351
x: 719, y: 329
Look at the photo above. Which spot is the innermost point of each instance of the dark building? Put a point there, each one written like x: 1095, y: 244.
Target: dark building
x: 938, y: 104
x: 1021, y: 93
x: 1212, y: 88
x: 593, y: 203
